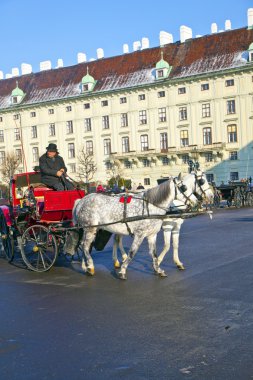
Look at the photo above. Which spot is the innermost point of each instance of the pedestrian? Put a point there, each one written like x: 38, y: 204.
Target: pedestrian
x: 100, y: 189
x: 140, y: 187
x: 115, y: 189
x: 53, y: 169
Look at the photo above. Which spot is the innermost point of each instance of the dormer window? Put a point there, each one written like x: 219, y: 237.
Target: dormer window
x: 250, y: 50
x: 163, y: 68
x: 88, y: 82
x: 17, y: 95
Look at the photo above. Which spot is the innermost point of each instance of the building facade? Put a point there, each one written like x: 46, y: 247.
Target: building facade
x: 144, y: 113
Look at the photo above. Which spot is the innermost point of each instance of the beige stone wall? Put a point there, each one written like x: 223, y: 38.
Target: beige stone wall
x: 217, y: 96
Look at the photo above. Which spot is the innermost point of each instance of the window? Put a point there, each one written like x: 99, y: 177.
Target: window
x: 85, y: 87
x: 181, y: 90
x: 14, y: 100
x: 208, y: 157
x: 123, y: 100
x: 104, y: 103
x: 229, y: 82
x: 182, y: 113
x: 35, y: 152
x: 146, y: 163
x: 146, y: 181
x: 144, y: 143
x: 232, y: 133
x: 206, y: 110
x: 125, y: 144
x: 16, y: 134
x: 1, y: 136
x: 184, y: 138
x: 205, y: 86
x: 16, y: 117
x: 185, y: 158
x: 162, y: 114
x: 128, y: 164
x: 72, y: 168
x: 1, y: 119
x: 68, y: 109
x: 71, y: 150
x: 141, y: 97
x: 207, y: 136
x: 142, y: 117
x: 124, y: 120
x: 51, y: 111
x: 107, y: 146
x: 34, y: 132
x: 234, y: 176
x: 233, y: 155
x: 86, y: 106
x: 210, y: 177
x: 87, y: 124
x: 18, y: 153
x: 105, y: 122
x: 33, y: 114
x: 52, y: 129
x: 165, y: 161
x: 108, y: 165
x: 2, y: 157
x: 230, y: 106
x: 89, y: 147
x: 164, y: 141
x: 69, y: 126
x: 161, y: 94
x: 160, y: 74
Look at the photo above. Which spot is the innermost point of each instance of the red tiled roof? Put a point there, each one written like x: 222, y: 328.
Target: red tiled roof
x: 196, y: 56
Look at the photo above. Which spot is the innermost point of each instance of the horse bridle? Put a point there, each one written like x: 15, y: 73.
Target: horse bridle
x: 182, y: 188
x: 200, y: 181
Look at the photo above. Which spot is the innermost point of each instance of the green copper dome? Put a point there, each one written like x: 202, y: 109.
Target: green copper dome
x: 251, y: 46
x: 88, y: 78
x: 17, y: 92
x: 162, y: 64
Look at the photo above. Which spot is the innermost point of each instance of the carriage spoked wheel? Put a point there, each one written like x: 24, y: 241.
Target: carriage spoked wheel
x: 6, y: 240
x: 38, y: 248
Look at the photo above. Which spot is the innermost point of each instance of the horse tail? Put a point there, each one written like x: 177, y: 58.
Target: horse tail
x: 74, y: 211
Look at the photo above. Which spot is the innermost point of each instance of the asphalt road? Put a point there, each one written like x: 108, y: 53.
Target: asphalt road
x: 194, y: 324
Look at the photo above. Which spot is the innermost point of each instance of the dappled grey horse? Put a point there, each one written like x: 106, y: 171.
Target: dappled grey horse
x: 99, y: 211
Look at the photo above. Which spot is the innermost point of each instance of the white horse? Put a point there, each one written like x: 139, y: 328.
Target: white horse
x: 138, y: 218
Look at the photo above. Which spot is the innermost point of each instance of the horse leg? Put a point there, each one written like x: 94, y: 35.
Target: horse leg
x: 118, y: 244
x: 175, y: 239
x: 87, y: 262
x: 132, y: 251
x: 152, y: 252
x: 167, y: 229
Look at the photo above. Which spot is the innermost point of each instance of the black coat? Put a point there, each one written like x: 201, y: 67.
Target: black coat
x: 49, y: 167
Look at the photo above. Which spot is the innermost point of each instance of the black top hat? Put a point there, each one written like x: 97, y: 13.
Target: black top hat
x: 52, y: 148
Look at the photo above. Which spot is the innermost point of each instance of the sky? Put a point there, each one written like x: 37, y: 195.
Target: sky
x: 32, y: 31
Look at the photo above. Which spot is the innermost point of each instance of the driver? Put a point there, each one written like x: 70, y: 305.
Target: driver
x: 53, y: 169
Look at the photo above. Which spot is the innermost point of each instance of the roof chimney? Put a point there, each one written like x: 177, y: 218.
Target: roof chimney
x: 227, y: 25
x: 136, y: 45
x: 165, y: 38
x: 250, y: 18
x: 45, y: 65
x: 185, y: 33
x: 81, y: 57
x: 59, y: 63
x: 100, y: 53
x: 92, y: 59
x: 15, y: 71
x: 26, y: 68
x: 214, y: 28
x: 7, y: 76
x: 144, y: 43
x: 125, y: 48
x: 1, y: 74
x: 198, y: 35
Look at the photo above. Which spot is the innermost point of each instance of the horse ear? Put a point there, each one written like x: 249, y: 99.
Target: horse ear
x: 180, y: 176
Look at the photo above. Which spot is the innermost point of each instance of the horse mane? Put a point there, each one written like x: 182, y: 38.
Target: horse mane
x: 158, y: 194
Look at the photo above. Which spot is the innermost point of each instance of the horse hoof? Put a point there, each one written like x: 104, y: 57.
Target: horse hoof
x: 122, y: 276
x: 181, y: 267
x: 116, y: 264
x: 124, y: 257
x: 91, y: 271
x: 163, y: 274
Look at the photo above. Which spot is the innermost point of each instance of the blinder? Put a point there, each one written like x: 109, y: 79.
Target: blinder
x: 183, y: 188
x: 201, y: 181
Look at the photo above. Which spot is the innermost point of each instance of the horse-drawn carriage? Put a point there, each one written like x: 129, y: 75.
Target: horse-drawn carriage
x: 236, y: 193
x: 37, y: 220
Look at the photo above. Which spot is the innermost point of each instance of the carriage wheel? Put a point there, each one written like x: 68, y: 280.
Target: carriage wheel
x: 7, y: 240
x: 38, y: 248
